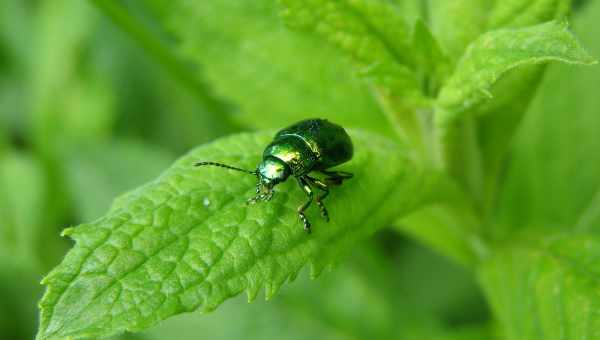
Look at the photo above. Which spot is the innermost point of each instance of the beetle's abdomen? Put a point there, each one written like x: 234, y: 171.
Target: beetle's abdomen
x: 330, y: 143
x: 294, y: 152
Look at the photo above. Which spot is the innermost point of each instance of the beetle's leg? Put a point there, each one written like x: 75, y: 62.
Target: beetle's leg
x: 255, y: 199
x: 262, y: 196
x: 336, y: 177
x: 308, y: 191
x: 325, y: 189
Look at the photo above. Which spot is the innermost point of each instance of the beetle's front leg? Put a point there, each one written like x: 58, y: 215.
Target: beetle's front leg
x: 308, y: 191
x: 257, y: 197
x: 325, y: 189
x: 260, y: 196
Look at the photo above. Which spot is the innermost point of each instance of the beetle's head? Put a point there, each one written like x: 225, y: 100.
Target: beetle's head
x: 270, y: 172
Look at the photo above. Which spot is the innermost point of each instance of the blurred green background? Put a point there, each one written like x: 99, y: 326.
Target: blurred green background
x: 88, y: 111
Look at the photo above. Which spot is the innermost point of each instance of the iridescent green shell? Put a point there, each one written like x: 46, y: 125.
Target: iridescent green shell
x: 313, y: 144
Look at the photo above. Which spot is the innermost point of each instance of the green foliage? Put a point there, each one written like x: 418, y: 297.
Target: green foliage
x: 456, y: 23
x: 376, y: 36
x: 334, y: 306
x: 497, y: 52
x: 430, y: 60
x: 552, y: 181
x: 545, y: 287
x: 484, y: 62
x: 22, y: 234
x: 520, y: 13
x: 373, y: 33
x: 249, y: 55
x: 186, y: 241
x: 21, y: 200
x: 432, y: 92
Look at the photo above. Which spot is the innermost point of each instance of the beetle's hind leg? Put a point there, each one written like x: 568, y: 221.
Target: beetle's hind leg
x: 325, y: 189
x: 305, y: 186
x: 335, y: 177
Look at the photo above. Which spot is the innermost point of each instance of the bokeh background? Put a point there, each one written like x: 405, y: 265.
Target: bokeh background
x: 97, y: 99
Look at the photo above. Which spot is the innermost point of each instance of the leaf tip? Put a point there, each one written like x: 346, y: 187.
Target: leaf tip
x: 293, y: 276
x: 252, y: 292
x: 67, y: 232
x: 271, y: 289
x: 317, y: 268
x: 44, y: 281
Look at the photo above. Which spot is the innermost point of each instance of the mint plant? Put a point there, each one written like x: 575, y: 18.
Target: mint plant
x: 190, y: 232
x: 451, y: 83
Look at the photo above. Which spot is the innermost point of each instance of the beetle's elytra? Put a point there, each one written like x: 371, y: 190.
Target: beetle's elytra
x: 307, y: 146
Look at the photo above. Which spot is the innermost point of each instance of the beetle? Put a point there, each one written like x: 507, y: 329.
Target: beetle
x: 307, y: 146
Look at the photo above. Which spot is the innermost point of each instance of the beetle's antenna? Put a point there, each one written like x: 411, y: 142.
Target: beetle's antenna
x: 226, y: 166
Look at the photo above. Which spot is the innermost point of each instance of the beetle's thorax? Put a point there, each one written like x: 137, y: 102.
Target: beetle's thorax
x: 294, y: 152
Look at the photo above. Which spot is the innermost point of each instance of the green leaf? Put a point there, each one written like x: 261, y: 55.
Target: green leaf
x: 545, y: 287
x: 322, y: 308
x: 552, y: 179
x: 484, y: 62
x: 270, y: 74
x: 377, y: 38
x: 498, y: 121
x: 521, y: 13
x: 496, y: 53
x: 456, y: 23
x: 390, y: 306
x: 187, y: 240
x: 430, y: 60
x: 513, y: 93
x: 371, y: 32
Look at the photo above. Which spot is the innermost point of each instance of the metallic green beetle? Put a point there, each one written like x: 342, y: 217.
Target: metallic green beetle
x: 309, y: 145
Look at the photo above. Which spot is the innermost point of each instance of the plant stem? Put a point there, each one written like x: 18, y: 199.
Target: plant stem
x: 163, y: 55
